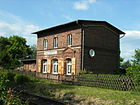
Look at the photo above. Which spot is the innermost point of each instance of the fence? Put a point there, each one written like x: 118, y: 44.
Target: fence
x: 116, y: 82
x: 124, y: 83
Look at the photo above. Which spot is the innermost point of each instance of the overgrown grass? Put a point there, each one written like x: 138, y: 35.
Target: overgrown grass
x: 81, y: 95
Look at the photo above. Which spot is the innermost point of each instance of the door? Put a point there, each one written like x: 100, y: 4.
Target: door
x: 68, y: 67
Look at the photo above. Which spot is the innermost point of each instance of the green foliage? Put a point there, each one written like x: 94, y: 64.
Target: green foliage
x: 121, y: 59
x: 3, y: 85
x: 13, y: 49
x: 10, y: 76
x: 136, y: 57
x: 7, y: 95
x: 134, y: 71
x: 21, y: 79
x: 83, y: 71
x: 33, y: 52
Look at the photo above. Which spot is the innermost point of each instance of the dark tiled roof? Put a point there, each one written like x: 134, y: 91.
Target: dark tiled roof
x: 81, y: 23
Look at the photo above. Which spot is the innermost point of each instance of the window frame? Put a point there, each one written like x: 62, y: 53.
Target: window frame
x: 68, y: 67
x: 55, y: 42
x: 45, y: 43
x: 69, y: 39
x: 44, y: 66
x: 55, y: 66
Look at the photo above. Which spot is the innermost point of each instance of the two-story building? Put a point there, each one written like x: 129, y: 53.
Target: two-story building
x: 79, y: 45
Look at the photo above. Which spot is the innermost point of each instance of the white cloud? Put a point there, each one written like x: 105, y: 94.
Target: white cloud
x: 133, y: 34
x: 128, y: 53
x: 83, y: 5
x: 14, y: 25
x: 129, y: 43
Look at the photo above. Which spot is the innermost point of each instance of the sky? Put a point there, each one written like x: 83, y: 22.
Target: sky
x: 22, y: 17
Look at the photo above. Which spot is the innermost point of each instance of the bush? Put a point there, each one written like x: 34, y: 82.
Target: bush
x: 134, y: 71
x: 10, y: 76
x: 21, y: 79
x: 83, y: 72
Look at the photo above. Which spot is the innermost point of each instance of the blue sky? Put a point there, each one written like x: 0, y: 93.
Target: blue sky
x: 22, y: 17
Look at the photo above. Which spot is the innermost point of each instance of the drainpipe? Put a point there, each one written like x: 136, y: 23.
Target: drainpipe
x: 82, y: 43
x: 83, y: 37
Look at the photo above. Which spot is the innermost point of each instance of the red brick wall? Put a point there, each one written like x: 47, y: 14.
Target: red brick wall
x: 63, y: 51
x: 30, y: 67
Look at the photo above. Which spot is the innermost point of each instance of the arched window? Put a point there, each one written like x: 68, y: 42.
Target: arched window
x: 55, y: 66
x: 45, y: 43
x: 68, y: 66
x: 44, y: 66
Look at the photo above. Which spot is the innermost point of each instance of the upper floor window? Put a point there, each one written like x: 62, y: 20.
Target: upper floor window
x: 55, y: 42
x: 45, y: 42
x: 69, y: 39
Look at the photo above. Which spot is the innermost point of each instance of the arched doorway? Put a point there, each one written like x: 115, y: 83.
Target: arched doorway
x: 44, y: 66
x: 54, y: 66
x: 68, y: 67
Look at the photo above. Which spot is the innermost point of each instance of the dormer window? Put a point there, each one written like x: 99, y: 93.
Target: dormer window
x: 55, y: 42
x: 69, y: 40
x: 45, y: 43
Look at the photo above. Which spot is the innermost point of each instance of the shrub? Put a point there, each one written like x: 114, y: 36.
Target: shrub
x: 21, y: 79
x: 10, y: 76
x: 134, y: 71
x: 83, y: 71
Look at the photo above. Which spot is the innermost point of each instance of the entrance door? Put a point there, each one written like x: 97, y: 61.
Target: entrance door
x: 68, y: 67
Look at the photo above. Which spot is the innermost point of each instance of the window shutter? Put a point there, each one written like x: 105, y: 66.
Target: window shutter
x: 73, y: 66
x: 48, y: 66
x: 60, y: 66
x: 39, y: 65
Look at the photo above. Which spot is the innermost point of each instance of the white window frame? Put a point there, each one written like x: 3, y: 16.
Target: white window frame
x: 55, y: 66
x: 69, y: 39
x: 69, y: 67
x: 55, y: 42
x: 44, y: 66
x: 45, y: 43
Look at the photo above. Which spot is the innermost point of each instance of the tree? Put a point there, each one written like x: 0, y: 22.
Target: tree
x: 121, y: 59
x: 134, y: 69
x: 33, y: 52
x: 12, y: 50
x: 136, y: 57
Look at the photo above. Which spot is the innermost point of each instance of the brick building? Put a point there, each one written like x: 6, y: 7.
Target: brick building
x: 79, y: 45
x: 29, y: 64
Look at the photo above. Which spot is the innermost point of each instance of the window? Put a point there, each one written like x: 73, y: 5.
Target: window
x: 69, y: 39
x: 55, y: 42
x: 68, y: 66
x: 55, y: 66
x: 33, y: 66
x: 45, y: 42
x: 44, y: 66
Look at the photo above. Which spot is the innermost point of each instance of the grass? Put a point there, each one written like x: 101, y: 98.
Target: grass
x: 84, y: 95
x: 81, y: 95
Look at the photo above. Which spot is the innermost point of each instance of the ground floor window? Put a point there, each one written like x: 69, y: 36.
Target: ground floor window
x: 55, y: 66
x: 68, y: 67
x: 44, y: 66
